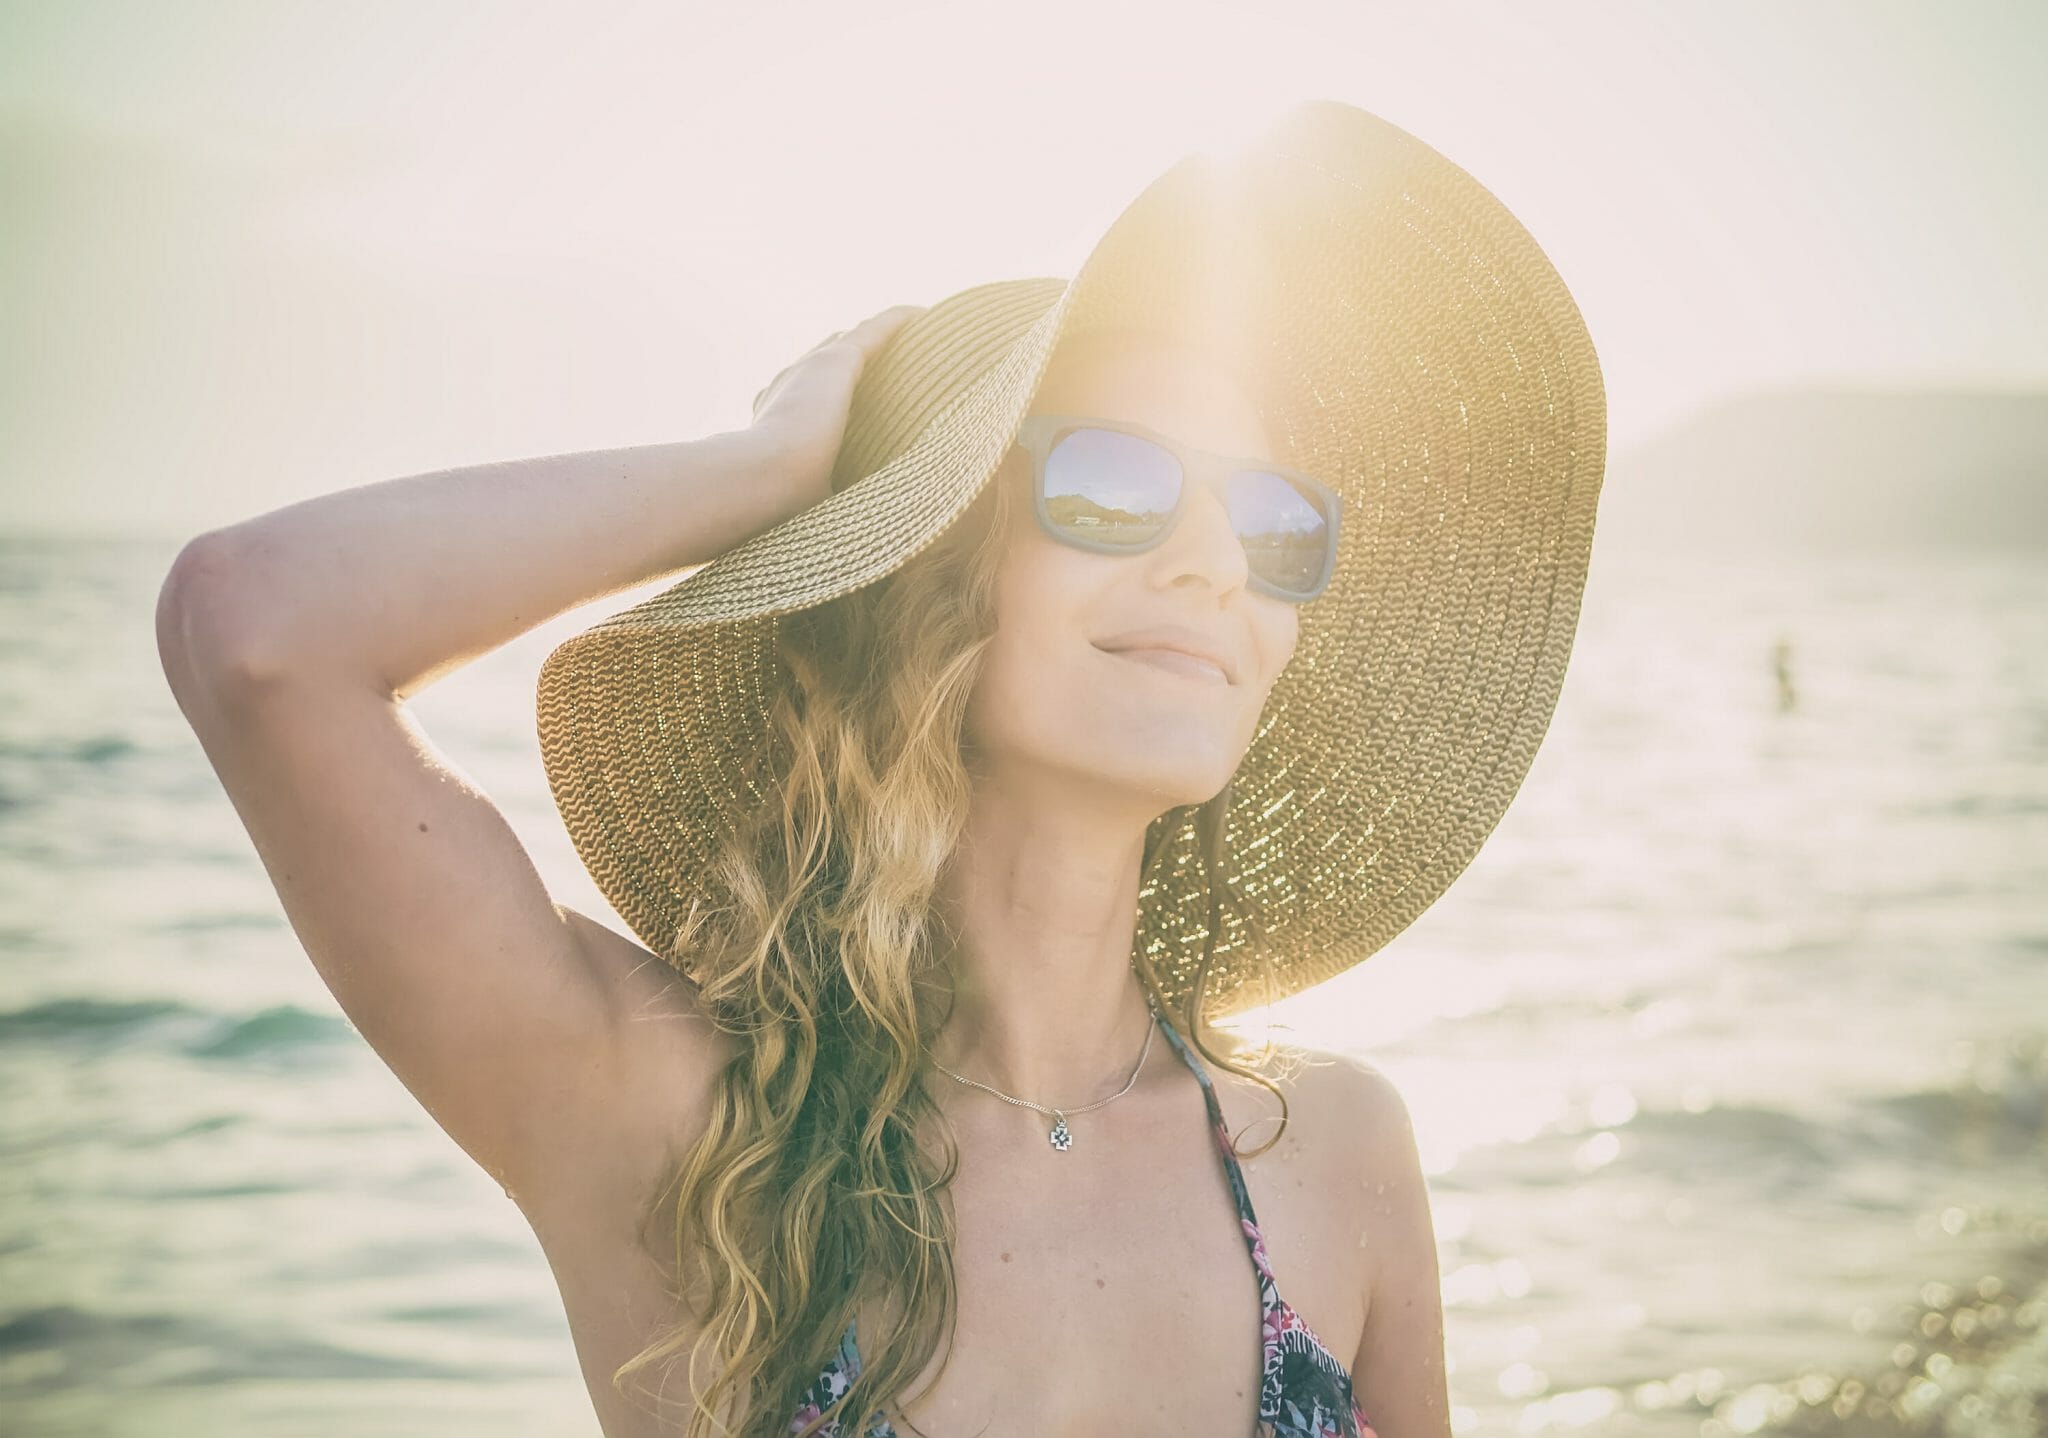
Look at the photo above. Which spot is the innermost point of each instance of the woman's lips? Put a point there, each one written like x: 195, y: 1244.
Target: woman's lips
x: 1175, y: 661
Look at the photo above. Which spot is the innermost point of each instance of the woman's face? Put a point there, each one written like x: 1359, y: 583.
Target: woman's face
x: 1053, y: 702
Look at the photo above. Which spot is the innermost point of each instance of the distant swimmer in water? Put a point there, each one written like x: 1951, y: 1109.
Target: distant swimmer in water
x: 1781, y: 667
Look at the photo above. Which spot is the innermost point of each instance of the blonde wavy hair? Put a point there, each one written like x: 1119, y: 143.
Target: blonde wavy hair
x: 808, y: 1193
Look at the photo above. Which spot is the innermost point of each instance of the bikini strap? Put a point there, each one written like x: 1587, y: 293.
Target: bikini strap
x: 1221, y: 1132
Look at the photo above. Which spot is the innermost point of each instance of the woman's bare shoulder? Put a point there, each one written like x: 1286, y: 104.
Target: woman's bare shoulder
x: 1359, y: 1103
x: 1335, y: 1099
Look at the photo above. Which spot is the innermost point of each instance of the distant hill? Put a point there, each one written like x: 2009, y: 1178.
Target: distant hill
x: 1838, y: 468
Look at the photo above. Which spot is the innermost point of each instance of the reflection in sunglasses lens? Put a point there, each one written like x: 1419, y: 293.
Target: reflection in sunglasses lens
x: 1109, y: 487
x: 1284, y: 530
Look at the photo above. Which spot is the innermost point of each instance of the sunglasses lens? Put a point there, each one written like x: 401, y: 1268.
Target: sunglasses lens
x: 1109, y: 487
x: 1286, y: 534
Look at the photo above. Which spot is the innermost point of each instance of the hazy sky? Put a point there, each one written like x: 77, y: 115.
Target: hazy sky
x: 252, y: 252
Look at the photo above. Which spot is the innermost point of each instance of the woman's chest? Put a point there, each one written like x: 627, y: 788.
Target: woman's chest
x: 1130, y: 1307
x: 1119, y: 1298
x: 1138, y: 1314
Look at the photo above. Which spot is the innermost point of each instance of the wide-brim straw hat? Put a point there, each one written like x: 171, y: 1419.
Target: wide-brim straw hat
x: 1410, y: 344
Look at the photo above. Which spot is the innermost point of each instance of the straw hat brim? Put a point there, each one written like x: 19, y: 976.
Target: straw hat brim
x: 1414, y: 347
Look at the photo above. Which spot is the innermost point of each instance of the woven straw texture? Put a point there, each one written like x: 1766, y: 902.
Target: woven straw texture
x: 1411, y: 345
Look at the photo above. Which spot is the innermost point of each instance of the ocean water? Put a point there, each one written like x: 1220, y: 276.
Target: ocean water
x: 1728, y: 1056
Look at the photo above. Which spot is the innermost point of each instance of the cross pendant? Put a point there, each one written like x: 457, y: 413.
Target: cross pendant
x: 1059, y: 1137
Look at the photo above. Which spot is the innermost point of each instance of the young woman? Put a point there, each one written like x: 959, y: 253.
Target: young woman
x: 1076, y: 663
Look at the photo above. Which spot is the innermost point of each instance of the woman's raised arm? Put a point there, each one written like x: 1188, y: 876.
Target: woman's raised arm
x: 393, y: 584
x: 292, y: 640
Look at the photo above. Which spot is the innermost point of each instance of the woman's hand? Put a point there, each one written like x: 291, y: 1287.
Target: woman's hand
x: 802, y: 412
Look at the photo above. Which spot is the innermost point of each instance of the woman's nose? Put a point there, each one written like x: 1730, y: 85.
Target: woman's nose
x: 1203, y: 542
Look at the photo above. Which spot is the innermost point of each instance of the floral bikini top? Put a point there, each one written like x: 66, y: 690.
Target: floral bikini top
x: 1305, y: 1391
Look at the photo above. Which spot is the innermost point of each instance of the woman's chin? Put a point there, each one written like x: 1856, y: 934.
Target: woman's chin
x: 1165, y: 789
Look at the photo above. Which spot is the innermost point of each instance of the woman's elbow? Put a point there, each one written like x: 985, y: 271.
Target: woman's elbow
x: 211, y: 620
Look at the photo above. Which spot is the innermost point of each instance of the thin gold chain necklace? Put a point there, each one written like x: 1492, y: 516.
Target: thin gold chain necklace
x: 1059, y: 1137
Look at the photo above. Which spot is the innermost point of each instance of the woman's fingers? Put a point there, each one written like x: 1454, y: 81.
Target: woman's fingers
x: 875, y: 328
x: 862, y: 338
x: 883, y: 323
x: 893, y: 317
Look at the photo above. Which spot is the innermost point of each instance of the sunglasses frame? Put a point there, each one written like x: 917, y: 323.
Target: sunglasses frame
x: 1199, y: 468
